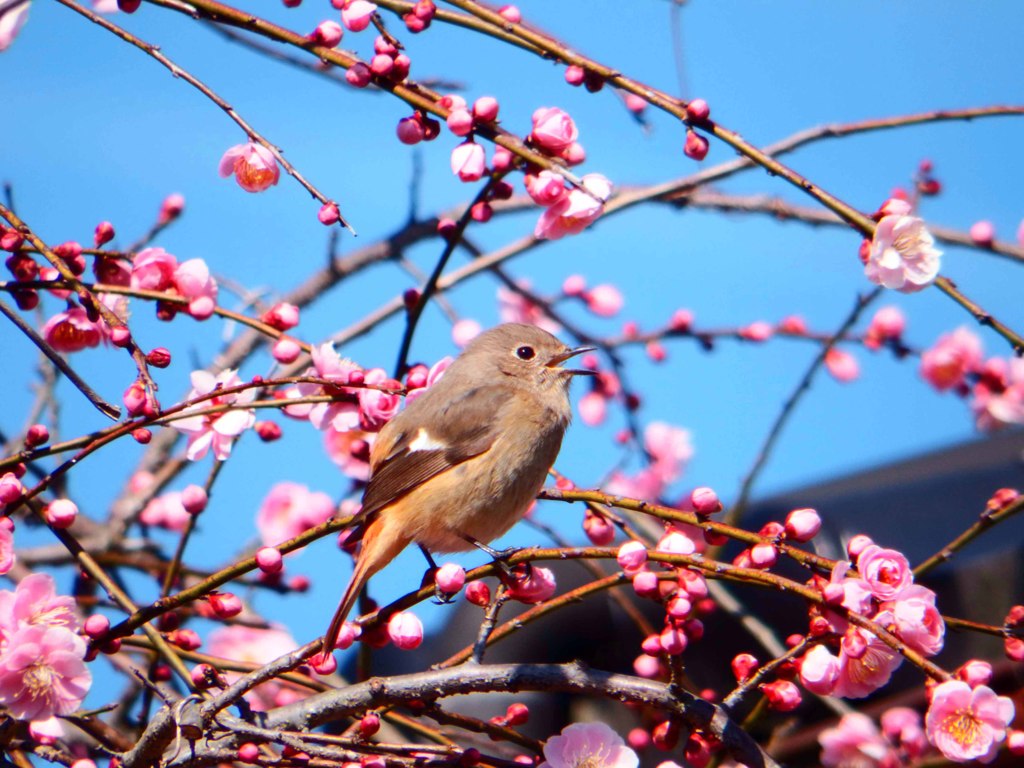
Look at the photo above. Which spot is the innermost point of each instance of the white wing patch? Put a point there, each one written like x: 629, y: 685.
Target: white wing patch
x: 424, y: 442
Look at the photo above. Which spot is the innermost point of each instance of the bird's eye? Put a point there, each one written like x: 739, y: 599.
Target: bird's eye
x: 525, y: 353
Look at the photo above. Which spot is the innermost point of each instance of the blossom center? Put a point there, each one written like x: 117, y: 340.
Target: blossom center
x: 38, y: 680
x: 251, y: 175
x: 962, y: 726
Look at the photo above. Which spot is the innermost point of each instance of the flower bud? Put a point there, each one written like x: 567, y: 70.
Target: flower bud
x: 478, y: 593
x: 329, y: 213
x: 104, y: 233
x: 450, y: 578
x: 159, y: 357
x: 696, y: 146
x: 248, y: 753
x: 705, y: 501
x: 782, y: 695
x: 96, y: 625
x: 802, y: 524
x: 405, y: 630
x: 269, y: 559
x: 358, y: 75
x: 485, y: 109
x: 286, y: 350
x: 194, y: 499
x: 225, y: 605
x: 36, y: 435
x: 631, y: 556
x: 61, y: 513
x: 698, y: 110
x: 743, y: 666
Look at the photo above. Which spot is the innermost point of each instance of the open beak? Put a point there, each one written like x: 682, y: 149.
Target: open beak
x: 557, y: 360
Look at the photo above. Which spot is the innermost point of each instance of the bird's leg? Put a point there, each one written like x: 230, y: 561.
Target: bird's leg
x: 500, y: 557
x: 439, y: 596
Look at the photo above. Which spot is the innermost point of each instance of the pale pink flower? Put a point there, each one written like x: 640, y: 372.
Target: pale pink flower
x: 631, y: 556
x: 954, y: 355
x: 576, y: 211
x: 553, y: 130
x: 903, y: 726
x: 11, y: 23
x: 545, y: 188
x: 469, y: 161
x: 254, y: 166
x: 464, y: 331
x: 433, y: 376
x: 290, y: 509
x: 669, y: 447
x: 967, y: 724
x: 856, y: 594
x: 537, y: 587
x: 153, y: 270
x: 47, y: 731
x: 166, y: 511
x: 405, y: 630
x: 819, y: 671
x: 515, y: 308
x: 999, y: 403
x: 855, y: 742
x: 983, y: 233
x: 915, y: 619
x: 604, y: 300
x: 865, y: 664
x: 218, y: 430
x: 450, y: 578
x: 903, y: 255
x: 886, y: 570
x: 195, y: 283
x: 256, y: 646
x: 377, y: 408
x: 72, y: 331
x: 842, y: 365
x: 42, y: 672
x: 7, y: 556
x: 647, y: 484
x: 588, y: 745
x: 350, y: 450
x: 35, y: 603
x: 887, y: 323
x: 593, y: 408
x: 340, y: 414
x: 356, y: 15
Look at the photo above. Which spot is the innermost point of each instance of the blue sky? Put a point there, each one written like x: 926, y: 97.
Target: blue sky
x: 95, y: 130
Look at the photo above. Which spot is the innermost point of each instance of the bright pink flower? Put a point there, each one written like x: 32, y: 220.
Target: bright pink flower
x: 854, y: 742
x: 903, y: 255
x: 282, y: 316
x: 254, y: 166
x: 545, y: 188
x: 290, y: 509
x: 593, y: 407
x: 469, y: 162
x: 670, y: 449
x: 975, y: 672
x: 405, y: 630
x: 195, y: 283
x: 604, y: 300
x: 954, y: 355
x: 450, y: 578
x: 460, y: 121
x: 11, y: 489
x: 433, y: 376
x: 576, y: 211
x: 464, y: 331
x: 485, y: 109
x: 218, y: 430
x: 588, y: 745
x: 598, y: 529
x: 72, y: 331
x: 47, y: 731
x: 819, y: 671
x: 705, y: 501
x: 855, y: 595
x: 967, y: 724
x: 377, y: 408
x: 166, y: 511
x: 999, y: 396
x: 153, y: 270
x: 536, y: 588
x: 865, y: 664
x: 7, y: 555
x: 515, y: 308
x: 802, y: 524
x: 511, y: 13
x: 915, y: 619
x: 61, y: 513
x: 887, y: 323
x: 842, y: 365
x: 696, y: 146
x: 886, y: 570
x: 356, y: 15
x: 256, y: 646
x: 327, y: 33
x: 350, y: 450
x: 35, y: 603
x: 11, y: 23
x: 42, y: 672
x: 553, y: 130
x: 342, y: 414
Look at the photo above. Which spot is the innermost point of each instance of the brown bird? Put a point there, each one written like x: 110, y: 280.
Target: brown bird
x: 462, y: 463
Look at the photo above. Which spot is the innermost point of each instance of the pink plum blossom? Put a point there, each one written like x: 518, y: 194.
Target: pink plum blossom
x: 288, y: 510
x: 194, y: 281
x: 915, y: 619
x: 350, y: 450
x: 42, y: 672
x: 545, y: 188
x: 72, y: 331
x: 254, y: 166
x: 450, y: 578
x: 842, y: 365
x: 35, y: 603
x: 217, y: 430
x: 356, y: 15
x: 954, y: 356
x: 153, y: 270
x: 983, y: 233
x: 604, y: 300
x: 464, y: 331
x: 967, y: 724
x: 631, y: 556
x: 405, y: 630
x: 553, y: 130
x: 11, y: 23
x: 865, y: 664
x: 885, y: 570
x: 819, y: 671
x: 588, y: 745
x: 887, y: 323
x: 256, y: 646
x: 516, y: 308
x: 7, y: 555
x: 903, y: 726
x: 593, y: 408
x: 537, y: 587
x: 433, y: 376
x: 340, y: 414
x: 802, y: 524
x: 855, y: 741
x: 469, y: 161
x: 999, y: 394
x: 377, y: 408
x: 669, y: 447
x: 166, y: 511
x: 576, y: 211
x: 47, y: 731
x: 903, y: 255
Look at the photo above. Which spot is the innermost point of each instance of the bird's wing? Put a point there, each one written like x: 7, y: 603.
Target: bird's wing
x: 468, y: 426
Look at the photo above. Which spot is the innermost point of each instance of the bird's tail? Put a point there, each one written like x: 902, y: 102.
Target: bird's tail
x: 381, y: 544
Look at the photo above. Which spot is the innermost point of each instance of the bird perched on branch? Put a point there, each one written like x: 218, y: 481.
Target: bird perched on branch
x: 463, y: 462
